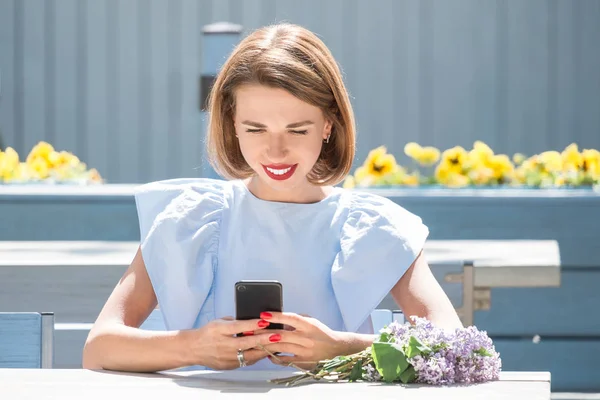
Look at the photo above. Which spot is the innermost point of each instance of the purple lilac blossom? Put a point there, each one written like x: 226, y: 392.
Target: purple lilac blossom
x: 465, y: 355
x: 370, y: 374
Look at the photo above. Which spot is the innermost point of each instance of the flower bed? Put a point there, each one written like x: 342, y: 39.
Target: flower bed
x: 479, y: 167
x: 45, y: 165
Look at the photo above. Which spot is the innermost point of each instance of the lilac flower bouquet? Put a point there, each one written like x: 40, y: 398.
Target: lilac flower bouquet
x: 414, y: 353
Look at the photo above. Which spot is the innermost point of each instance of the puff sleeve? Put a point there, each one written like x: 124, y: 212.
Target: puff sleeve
x: 179, y: 229
x: 379, y: 242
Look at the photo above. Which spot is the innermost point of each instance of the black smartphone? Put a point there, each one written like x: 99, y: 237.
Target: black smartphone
x: 254, y: 297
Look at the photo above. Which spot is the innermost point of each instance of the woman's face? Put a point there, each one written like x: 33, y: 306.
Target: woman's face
x: 281, y: 138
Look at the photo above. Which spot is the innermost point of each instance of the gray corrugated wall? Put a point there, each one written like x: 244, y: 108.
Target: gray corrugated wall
x: 116, y: 81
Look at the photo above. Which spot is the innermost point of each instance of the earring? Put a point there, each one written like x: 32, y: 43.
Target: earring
x: 327, y: 140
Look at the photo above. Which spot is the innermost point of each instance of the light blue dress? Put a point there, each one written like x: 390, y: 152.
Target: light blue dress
x: 336, y: 259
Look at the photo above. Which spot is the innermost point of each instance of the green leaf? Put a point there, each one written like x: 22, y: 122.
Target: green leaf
x: 437, y: 347
x: 390, y: 360
x: 409, y: 375
x: 384, y: 337
x: 416, y: 347
x: 356, y: 372
x: 334, y: 363
x: 483, y: 352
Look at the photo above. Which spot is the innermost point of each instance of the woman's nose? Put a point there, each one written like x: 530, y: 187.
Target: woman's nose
x: 277, y: 150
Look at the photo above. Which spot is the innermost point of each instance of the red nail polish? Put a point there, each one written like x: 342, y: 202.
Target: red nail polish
x: 263, y: 324
x: 249, y: 333
x: 266, y: 315
x: 275, y: 338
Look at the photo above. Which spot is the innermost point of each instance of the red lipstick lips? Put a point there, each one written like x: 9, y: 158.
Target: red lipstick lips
x: 280, y: 172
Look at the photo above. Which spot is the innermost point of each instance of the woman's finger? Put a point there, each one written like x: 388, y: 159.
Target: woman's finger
x: 253, y: 356
x: 289, y: 348
x: 291, y: 319
x: 234, y: 327
x: 256, y: 341
x: 283, y: 336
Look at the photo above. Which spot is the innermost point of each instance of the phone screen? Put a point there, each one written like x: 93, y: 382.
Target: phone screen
x: 254, y: 297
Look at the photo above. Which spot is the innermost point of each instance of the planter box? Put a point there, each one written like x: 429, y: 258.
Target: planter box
x: 565, y: 318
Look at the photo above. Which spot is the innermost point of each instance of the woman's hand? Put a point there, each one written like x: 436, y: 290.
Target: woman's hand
x: 310, y: 340
x: 215, y: 346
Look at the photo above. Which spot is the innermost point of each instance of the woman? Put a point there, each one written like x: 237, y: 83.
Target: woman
x: 282, y: 131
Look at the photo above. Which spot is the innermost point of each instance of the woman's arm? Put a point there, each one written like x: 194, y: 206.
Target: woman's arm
x: 116, y: 343
x: 419, y: 293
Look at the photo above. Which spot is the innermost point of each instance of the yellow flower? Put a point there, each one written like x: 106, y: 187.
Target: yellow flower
x: 481, y: 176
x: 457, y: 181
x: 501, y: 166
x: 39, y: 168
x: 379, y: 163
x: 22, y: 172
x: 396, y: 177
x: 591, y: 162
x: 429, y: 156
x: 362, y: 178
x: 426, y: 156
x: 3, y: 167
x: 483, y: 149
x: 12, y: 157
x: 455, y: 157
x: 518, y: 158
x: 360, y: 174
x: 559, y: 181
x: 478, y: 156
x: 442, y: 172
x: 41, y: 150
x: 95, y: 176
x: 413, y: 150
x: 552, y: 161
x: 66, y: 158
x: 411, y: 180
x: 54, y: 159
x: 65, y: 172
x: 349, y: 182
x: 9, y: 162
x: 571, y: 157
x: 447, y: 173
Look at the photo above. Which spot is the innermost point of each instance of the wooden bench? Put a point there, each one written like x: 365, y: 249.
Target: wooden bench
x: 74, y: 279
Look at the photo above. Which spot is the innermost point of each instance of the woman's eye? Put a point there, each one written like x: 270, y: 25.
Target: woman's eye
x: 300, y: 132
x: 254, y: 130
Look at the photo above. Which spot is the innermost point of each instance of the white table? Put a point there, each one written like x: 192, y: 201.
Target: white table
x: 85, y: 384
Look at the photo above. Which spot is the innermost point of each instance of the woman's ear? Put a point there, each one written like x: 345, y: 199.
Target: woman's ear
x: 327, y: 129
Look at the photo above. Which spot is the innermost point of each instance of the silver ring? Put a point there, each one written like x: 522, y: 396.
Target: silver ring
x: 240, y: 357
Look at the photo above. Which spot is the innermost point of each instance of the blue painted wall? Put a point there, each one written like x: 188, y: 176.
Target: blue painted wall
x: 117, y: 82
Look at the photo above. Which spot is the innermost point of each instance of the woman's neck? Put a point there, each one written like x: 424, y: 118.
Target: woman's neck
x: 304, y: 194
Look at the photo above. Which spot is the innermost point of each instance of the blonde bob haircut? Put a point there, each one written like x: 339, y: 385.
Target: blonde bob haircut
x: 292, y: 58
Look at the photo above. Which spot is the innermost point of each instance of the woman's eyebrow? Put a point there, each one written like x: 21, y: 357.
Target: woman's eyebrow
x: 294, y: 125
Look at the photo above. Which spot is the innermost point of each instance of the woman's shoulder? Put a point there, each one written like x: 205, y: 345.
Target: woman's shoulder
x: 379, y: 241
x: 370, y: 207
x: 180, y: 201
x: 173, y: 186
x: 165, y: 191
x: 180, y: 224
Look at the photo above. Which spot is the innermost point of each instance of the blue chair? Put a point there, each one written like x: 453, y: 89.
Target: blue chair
x: 381, y: 318
x: 26, y: 340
